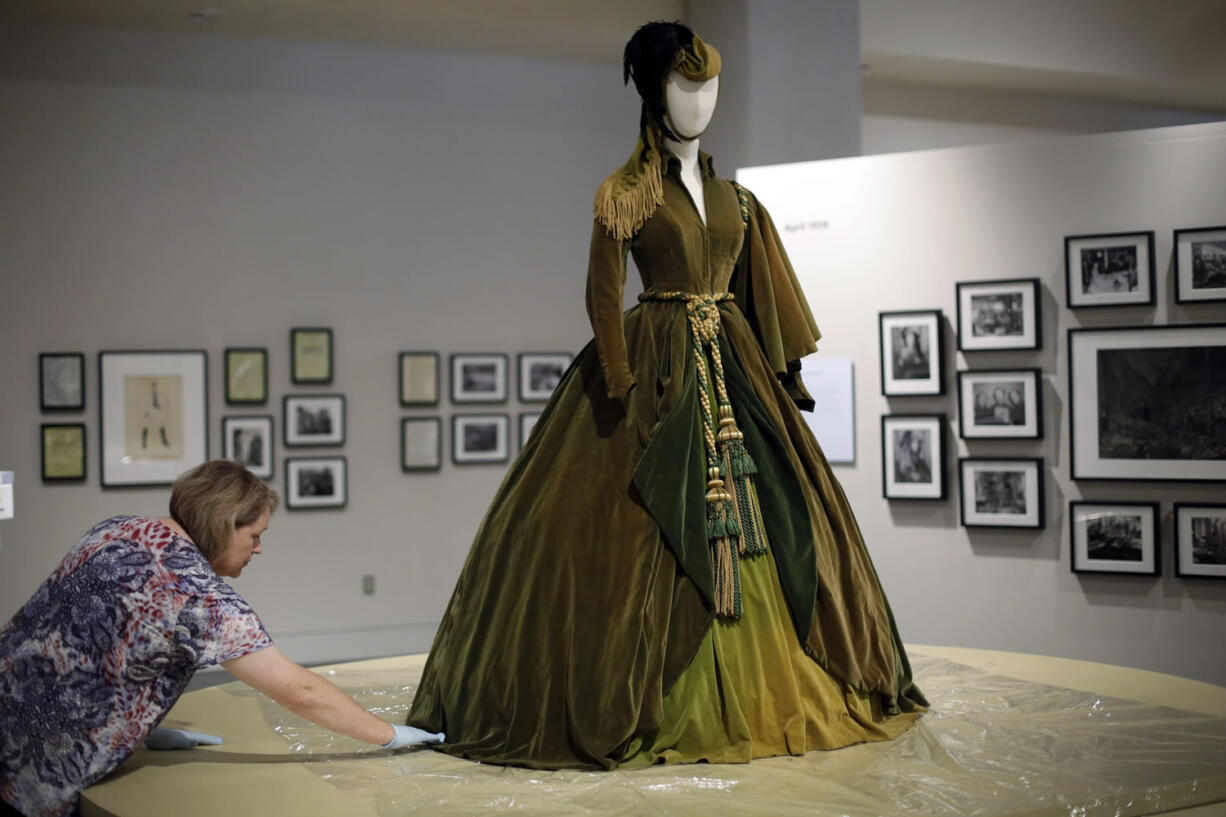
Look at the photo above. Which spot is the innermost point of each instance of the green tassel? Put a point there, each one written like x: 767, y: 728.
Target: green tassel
x: 742, y: 463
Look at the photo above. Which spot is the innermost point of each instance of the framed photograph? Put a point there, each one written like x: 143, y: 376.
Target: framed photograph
x: 912, y: 353
x: 913, y: 456
x: 1006, y: 404
x: 1200, y: 540
x: 479, y: 378
x: 153, y: 413
x: 419, y: 378
x: 63, y: 452
x: 994, y: 315
x: 1114, y: 537
x: 61, y: 381
x: 316, y: 482
x: 246, y: 376
x: 248, y: 440
x: 1113, y: 269
x: 314, y: 419
x: 1148, y: 402
x: 310, y: 352
x: 421, y: 443
x: 1005, y: 492
x: 540, y: 373
x: 477, y: 438
x: 526, y: 422
x: 1200, y: 265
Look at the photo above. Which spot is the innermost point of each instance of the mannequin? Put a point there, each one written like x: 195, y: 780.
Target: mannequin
x: 689, y: 105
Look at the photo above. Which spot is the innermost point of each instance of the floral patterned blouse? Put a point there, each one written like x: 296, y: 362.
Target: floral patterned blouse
x: 102, y: 651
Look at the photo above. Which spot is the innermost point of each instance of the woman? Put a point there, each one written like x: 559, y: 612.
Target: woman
x: 102, y: 651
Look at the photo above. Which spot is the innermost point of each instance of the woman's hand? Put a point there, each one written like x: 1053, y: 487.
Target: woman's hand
x: 411, y: 736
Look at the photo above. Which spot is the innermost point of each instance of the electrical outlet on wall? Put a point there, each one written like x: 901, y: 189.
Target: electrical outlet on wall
x: 368, y: 584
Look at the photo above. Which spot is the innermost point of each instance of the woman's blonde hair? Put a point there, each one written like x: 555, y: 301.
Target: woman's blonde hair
x: 216, y: 498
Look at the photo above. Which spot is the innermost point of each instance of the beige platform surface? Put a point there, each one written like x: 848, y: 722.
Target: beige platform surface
x: 1009, y: 734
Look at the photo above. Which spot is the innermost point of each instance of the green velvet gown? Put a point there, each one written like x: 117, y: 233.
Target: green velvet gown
x: 582, y: 631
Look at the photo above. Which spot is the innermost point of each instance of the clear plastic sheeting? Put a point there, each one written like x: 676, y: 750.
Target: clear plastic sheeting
x: 991, y: 745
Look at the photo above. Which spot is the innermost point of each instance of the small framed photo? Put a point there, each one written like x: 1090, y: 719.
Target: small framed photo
x: 913, y: 456
x: 419, y: 378
x: 1200, y: 540
x: 316, y: 482
x: 1200, y: 265
x: 63, y: 452
x: 994, y: 315
x: 540, y: 373
x: 1006, y: 404
x: 478, y: 438
x: 479, y: 378
x: 1005, y: 492
x: 314, y: 419
x: 61, y: 381
x: 421, y: 443
x: 310, y: 351
x: 246, y: 376
x: 1114, y: 537
x: 526, y: 422
x: 912, y: 353
x: 248, y: 440
x: 1112, y: 269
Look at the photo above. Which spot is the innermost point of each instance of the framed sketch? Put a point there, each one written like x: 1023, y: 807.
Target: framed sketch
x: 1200, y: 265
x: 994, y: 315
x: 1112, y: 269
x: 1148, y: 402
x: 153, y: 415
x: 479, y: 378
x: 1200, y: 540
x: 1005, y: 492
x: 527, y: 420
x: 540, y: 373
x: 421, y: 443
x: 248, y: 440
x: 912, y: 353
x: 419, y: 378
x: 1114, y: 537
x: 247, y: 376
x: 477, y: 438
x: 314, y: 419
x: 310, y: 354
x: 63, y: 456
x: 61, y: 381
x: 913, y: 456
x: 316, y: 482
x: 1005, y: 404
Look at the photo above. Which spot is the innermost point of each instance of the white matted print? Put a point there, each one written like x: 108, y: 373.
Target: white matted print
x: 1200, y: 265
x: 1200, y: 540
x: 998, y: 315
x: 912, y: 353
x: 540, y: 373
x: 1115, y: 269
x: 1002, y: 404
x: 1114, y: 537
x: 248, y: 441
x: 1006, y: 492
x: 314, y: 419
x: 478, y: 378
x: 316, y: 482
x: 913, y: 456
x: 421, y: 443
x: 479, y: 438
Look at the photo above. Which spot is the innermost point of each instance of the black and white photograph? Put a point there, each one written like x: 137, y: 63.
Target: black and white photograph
x: 1200, y: 265
x: 61, y: 383
x: 540, y: 373
x: 314, y: 419
x: 912, y: 353
x: 480, y: 438
x: 1002, y: 404
x: 1005, y: 492
x: 527, y: 420
x: 1114, y: 537
x: 1111, y: 269
x: 316, y: 482
x: 1200, y: 540
x: 248, y: 440
x: 479, y: 378
x: 994, y: 315
x: 421, y: 443
x: 418, y: 378
x: 913, y: 456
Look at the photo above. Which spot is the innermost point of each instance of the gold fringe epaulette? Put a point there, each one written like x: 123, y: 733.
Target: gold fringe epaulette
x: 632, y: 193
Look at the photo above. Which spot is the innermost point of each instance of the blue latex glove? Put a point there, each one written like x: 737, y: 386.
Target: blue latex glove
x: 160, y: 738
x: 411, y: 736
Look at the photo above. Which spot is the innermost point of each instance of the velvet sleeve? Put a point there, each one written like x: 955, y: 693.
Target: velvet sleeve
x: 606, y: 283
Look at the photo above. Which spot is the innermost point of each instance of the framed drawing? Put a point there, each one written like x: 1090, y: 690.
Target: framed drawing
x: 316, y: 482
x: 477, y: 438
x: 912, y: 353
x: 246, y: 376
x: 1005, y: 492
x: 1005, y: 404
x: 1148, y: 402
x: 310, y: 354
x: 153, y: 415
x: 61, y: 381
x: 314, y: 419
x: 419, y: 378
x: 63, y: 456
x: 479, y: 378
x: 527, y: 420
x: 1114, y: 537
x: 1112, y: 269
x: 248, y: 440
x: 1200, y: 265
x: 1200, y: 540
x: 994, y: 315
x: 913, y: 456
x: 421, y: 443
x: 540, y: 373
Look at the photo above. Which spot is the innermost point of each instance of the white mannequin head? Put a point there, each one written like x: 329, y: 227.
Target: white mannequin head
x: 689, y: 104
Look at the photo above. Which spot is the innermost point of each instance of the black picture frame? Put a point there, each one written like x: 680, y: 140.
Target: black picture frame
x: 418, y: 378
x: 313, y: 420
x: 421, y: 444
x: 1096, y: 265
x: 63, y: 448
x: 1102, y: 538
x: 248, y: 439
x: 479, y: 439
x: 61, y: 381
x: 246, y: 375
x: 1200, y: 276
x: 1002, y: 417
x: 1212, y: 564
x: 311, y: 354
x: 999, y: 315
x: 981, y: 500
x: 540, y: 373
x: 316, y: 483
x: 479, y: 377
x: 913, y: 457
x: 912, y: 352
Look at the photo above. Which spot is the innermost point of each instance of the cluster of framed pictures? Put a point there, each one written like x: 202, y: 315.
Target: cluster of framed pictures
x: 61, y: 389
x: 1117, y: 269
x: 1125, y: 537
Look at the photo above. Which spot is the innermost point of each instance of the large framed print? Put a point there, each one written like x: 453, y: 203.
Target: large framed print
x: 1114, y: 537
x: 153, y: 415
x: 540, y: 373
x: 480, y: 438
x: 419, y: 378
x: 314, y: 419
x: 1005, y: 492
x: 1148, y: 402
x: 310, y: 352
x: 994, y: 315
x: 248, y: 440
x: 61, y: 381
x: 316, y: 482
x: 1005, y: 404
x: 1200, y: 540
x: 421, y: 443
x: 913, y: 456
x: 1111, y: 269
x: 1200, y: 265
x: 246, y: 376
x: 479, y: 378
x: 63, y: 457
x: 912, y: 353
